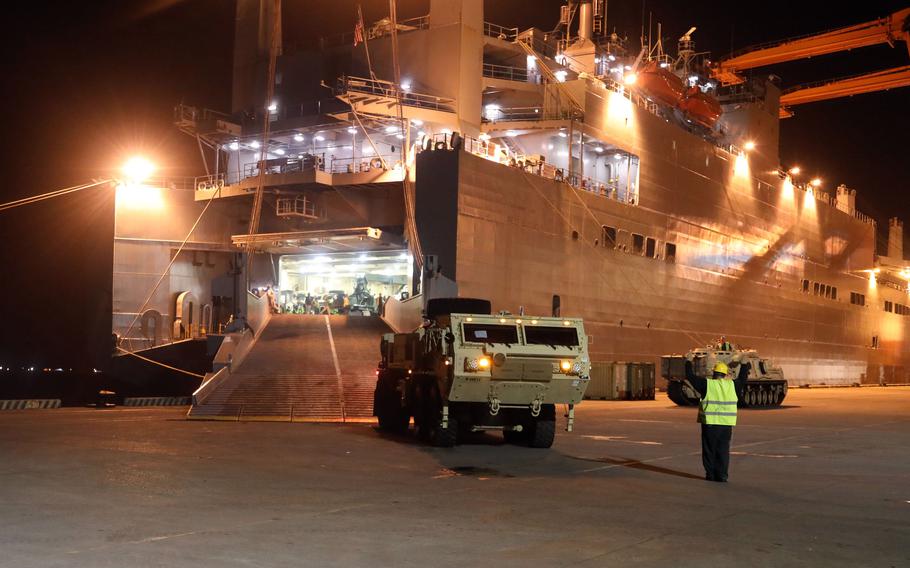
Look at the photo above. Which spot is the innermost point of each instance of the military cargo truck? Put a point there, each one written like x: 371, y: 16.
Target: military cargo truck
x: 758, y: 382
x: 467, y: 370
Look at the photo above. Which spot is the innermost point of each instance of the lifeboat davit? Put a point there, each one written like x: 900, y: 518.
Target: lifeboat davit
x: 700, y: 107
x: 660, y: 84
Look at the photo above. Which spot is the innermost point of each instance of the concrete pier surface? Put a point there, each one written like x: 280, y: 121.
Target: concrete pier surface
x: 822, y: 481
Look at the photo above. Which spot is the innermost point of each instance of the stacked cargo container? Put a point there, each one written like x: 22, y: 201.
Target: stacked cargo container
x: 621, y: 380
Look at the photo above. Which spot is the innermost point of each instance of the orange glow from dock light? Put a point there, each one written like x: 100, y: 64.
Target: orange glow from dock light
x: 815, y: 182
x: 630, y: 79
x: 137, y: 169
x: 138, y: 196
x: 809, y: 200
x: 794, y: 170
x: 741, y: 166
x: 788, y: 192
x: 749, y: 146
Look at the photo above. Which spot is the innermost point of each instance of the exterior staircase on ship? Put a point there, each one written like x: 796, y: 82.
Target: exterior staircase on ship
x: 302, y: 368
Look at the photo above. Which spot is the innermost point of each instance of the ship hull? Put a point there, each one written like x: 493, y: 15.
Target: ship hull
x: 519, y: 239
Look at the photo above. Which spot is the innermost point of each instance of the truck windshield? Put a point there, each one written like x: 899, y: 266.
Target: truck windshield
x: 490, y: 333
x: 543, y: 335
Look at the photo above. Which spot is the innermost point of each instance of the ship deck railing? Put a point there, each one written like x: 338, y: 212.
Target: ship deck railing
x: 388, y: 89
x: 330, y: 163
x: 505, y: 72
x: 500, y: 32
x: 610, y: 189
x: 375, y: 30
x: 526, y: 113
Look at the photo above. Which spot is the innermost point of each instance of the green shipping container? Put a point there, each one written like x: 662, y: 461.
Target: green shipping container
x: 601, y: 386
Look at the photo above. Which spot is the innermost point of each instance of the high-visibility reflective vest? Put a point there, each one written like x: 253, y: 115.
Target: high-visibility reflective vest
x: 719, y: 405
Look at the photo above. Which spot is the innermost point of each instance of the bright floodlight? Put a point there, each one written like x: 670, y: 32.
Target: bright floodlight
x: 816, y: 182
x: 749, y: 146
x: 630, y: 79
x: 794, y: 170
x: 298, y: 137
x: 138, y: 169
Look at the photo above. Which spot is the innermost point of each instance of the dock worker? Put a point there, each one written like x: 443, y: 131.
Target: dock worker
x: 717, y: 415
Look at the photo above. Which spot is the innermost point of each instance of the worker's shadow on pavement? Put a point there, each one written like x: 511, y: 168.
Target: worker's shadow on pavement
x: 640, y: 465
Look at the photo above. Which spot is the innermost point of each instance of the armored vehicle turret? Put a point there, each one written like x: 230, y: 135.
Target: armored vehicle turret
x: 758, y: 382
x: 467, y: 370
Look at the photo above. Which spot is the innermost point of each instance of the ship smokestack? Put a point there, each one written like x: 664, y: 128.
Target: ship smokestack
x: 585, y: 20
x: 895, y: 238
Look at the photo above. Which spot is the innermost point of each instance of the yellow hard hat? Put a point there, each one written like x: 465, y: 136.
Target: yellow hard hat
x: 721, y: 367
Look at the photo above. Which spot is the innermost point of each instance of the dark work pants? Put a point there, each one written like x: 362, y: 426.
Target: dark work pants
x: 715, y: 450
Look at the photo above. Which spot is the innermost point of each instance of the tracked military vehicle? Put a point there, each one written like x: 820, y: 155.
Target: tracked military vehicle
x: 758, y: 382
x: 467, y: 370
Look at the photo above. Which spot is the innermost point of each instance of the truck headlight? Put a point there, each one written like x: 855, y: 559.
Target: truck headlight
x: 569, y: 367
x: 476, y: 364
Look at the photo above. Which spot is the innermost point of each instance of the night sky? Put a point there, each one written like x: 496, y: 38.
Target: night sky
x: 89, y: 83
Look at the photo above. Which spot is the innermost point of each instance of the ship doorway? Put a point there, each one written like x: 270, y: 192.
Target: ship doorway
x: 349, y: 283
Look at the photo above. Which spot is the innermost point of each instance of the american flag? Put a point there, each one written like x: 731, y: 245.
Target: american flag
x: 358, y: 28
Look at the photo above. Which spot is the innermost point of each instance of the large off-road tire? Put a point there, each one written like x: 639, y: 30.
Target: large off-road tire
x: 387, y: 405
x: 394, y: 420
x: 674, y: 393
x: 445, y: 437
x: 541, y: 433
x: 429, y: 406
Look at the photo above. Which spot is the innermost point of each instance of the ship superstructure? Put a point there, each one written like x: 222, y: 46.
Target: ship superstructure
x: 567, y: 172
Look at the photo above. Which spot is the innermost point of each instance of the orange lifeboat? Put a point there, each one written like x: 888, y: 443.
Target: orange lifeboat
x: 701, y: 108
x: 660, y: 84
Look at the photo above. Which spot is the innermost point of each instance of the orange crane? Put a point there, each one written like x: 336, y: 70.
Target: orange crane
x: 868, y: 83
x: 885, y: 30
x: 891, y: 29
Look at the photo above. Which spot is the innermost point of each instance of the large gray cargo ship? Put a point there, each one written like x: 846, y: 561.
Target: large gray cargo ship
x: 566, y: 172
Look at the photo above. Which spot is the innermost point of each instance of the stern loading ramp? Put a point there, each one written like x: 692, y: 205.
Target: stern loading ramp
x: 303, y: 368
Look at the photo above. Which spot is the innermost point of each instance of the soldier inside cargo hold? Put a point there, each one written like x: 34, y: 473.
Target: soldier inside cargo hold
x: 717, y: 415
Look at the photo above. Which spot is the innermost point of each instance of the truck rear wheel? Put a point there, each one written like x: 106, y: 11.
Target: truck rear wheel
x: 387, y: 405
x: 429, y: 407
x: 444, y: 437
x: 394, y: 420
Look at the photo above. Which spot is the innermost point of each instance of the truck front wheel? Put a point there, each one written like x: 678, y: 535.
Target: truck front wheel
x: 541, y: 433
